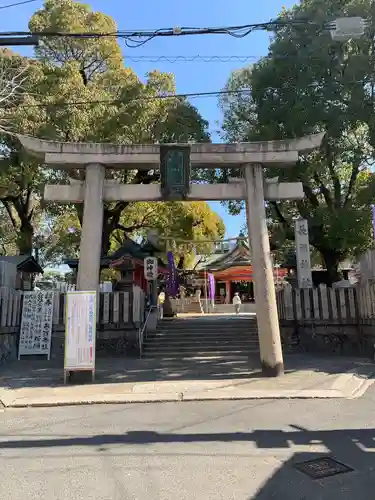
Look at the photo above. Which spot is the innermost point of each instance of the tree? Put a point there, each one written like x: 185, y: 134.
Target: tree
x: 308, y: 83
x: 12, y: 77
x: 92, y: 70
x: 67, y: 75
x: 172, y: 221
x: 19, y: 176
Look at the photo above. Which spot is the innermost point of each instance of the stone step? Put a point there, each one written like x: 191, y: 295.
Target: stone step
x: 197, y: 343
x: 199, y: 326
x: 222, y: 328
x: 206, y: 324
x: 203, y: 333
x: 204, y: 319
x: 171, y: 355
x: 200, y: 348
x: 201, y: 338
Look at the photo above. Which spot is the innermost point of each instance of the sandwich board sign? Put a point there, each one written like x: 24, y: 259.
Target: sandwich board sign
x: 80, y: 332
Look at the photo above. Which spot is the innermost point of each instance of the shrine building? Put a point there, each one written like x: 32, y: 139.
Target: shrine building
x: 232, y: 269
x: 128, y: 261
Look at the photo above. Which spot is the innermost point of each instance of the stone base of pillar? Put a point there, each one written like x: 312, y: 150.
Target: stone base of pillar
x: 272, y: 371
x: 167, y: 309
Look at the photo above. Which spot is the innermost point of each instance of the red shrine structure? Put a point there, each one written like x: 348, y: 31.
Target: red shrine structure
x: 233, y: 272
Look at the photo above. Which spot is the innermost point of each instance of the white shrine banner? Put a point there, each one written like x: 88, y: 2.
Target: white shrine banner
x: 36, y: 324
x: 80, y: 331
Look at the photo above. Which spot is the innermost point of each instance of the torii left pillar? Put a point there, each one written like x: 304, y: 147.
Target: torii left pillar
x: 92, y: 226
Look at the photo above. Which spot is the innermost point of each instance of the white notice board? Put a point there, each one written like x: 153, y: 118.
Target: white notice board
x: 80, y: 331
x: 36, y: 324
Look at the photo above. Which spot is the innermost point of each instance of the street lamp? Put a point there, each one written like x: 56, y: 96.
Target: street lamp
x: 343, y: 29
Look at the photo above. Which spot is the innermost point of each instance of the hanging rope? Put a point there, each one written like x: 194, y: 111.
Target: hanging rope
x: 201, y: 242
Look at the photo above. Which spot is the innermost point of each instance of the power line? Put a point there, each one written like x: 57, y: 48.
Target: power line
x: 191, y: 95
x: 192, y: 58
x: 138, y: 38
x: 207, y: 58
x: 237, y: 31
x: 135, y: 99
x: 16, y: 4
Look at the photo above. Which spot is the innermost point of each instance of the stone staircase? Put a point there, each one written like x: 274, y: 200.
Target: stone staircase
x: 186, y: 305
x: 203, y: 337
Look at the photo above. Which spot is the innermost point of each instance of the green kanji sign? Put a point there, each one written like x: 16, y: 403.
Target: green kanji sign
x: 175, y: 171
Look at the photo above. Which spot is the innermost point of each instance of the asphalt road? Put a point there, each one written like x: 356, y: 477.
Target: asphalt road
x: 177, y: 451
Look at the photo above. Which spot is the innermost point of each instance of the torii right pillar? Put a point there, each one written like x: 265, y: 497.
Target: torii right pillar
x: 271, y: 354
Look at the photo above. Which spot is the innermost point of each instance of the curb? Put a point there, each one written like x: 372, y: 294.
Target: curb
x: 353, y: 384
x: 349, y: 385
x: 181, y: 398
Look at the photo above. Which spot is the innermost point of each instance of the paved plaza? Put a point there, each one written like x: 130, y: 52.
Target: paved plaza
x: 123, y: 380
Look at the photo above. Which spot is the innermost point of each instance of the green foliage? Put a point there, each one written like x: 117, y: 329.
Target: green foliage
x: 172, y: 220
x: 309, y: 83
x: 65, y: 74
x: 95, y: 56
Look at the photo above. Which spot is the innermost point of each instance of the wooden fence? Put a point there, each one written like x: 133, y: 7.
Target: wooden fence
x: 105, y: 286
x: 353, y: 305
x: 322, y: 304
x: 116, y: 308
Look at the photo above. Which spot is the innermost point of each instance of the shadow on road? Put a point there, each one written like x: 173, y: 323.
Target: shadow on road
x: 357, y: 441
x: 353, y: 447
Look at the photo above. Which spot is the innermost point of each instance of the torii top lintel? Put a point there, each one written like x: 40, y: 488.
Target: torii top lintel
x: 207, y: 155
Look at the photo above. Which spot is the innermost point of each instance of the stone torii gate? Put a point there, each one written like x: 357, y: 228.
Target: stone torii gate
x: 251, y: 157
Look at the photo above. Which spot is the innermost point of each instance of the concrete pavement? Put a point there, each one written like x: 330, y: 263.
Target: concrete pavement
x: 217, y: 450
x: 39, y: 384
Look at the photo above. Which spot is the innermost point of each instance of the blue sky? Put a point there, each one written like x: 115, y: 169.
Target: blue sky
x: 190, y: 76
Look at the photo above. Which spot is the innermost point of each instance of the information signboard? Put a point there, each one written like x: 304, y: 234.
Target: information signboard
x: 80, y: 331
x: 36, y: 324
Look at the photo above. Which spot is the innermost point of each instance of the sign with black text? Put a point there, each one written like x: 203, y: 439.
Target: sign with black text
x: 36, y: 324
x: 303, y: 254
x: 150, y: 266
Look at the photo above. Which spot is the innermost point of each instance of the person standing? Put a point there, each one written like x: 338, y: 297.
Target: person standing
x: 198, y: 293
x: 237, y: 303
x: 161, y: 300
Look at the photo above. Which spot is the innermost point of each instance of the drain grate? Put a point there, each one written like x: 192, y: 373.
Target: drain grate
x: 322, y: 467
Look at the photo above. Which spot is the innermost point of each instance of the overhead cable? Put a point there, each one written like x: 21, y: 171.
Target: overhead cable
x: 16, y: 4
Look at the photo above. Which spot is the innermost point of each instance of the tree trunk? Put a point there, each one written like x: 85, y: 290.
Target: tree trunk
x: 111, y: 219
x: 332, y: 260
x: 25, y: 238
x: 106, y: 237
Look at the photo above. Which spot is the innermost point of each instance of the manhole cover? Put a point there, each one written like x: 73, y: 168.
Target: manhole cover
x: 319, y: 468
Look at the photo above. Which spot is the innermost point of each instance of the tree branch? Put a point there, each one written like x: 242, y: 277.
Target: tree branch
x: 352, y: 181
x: 325, y: 192
x: 336, y: 181
x: 8, y: 208
x: 310, y: 195
x: 279, y: 214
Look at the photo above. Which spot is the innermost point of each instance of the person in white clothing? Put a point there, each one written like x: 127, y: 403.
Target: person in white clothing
x: 198, y: 294
x: 161, y: 300
x: 237, y: 303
